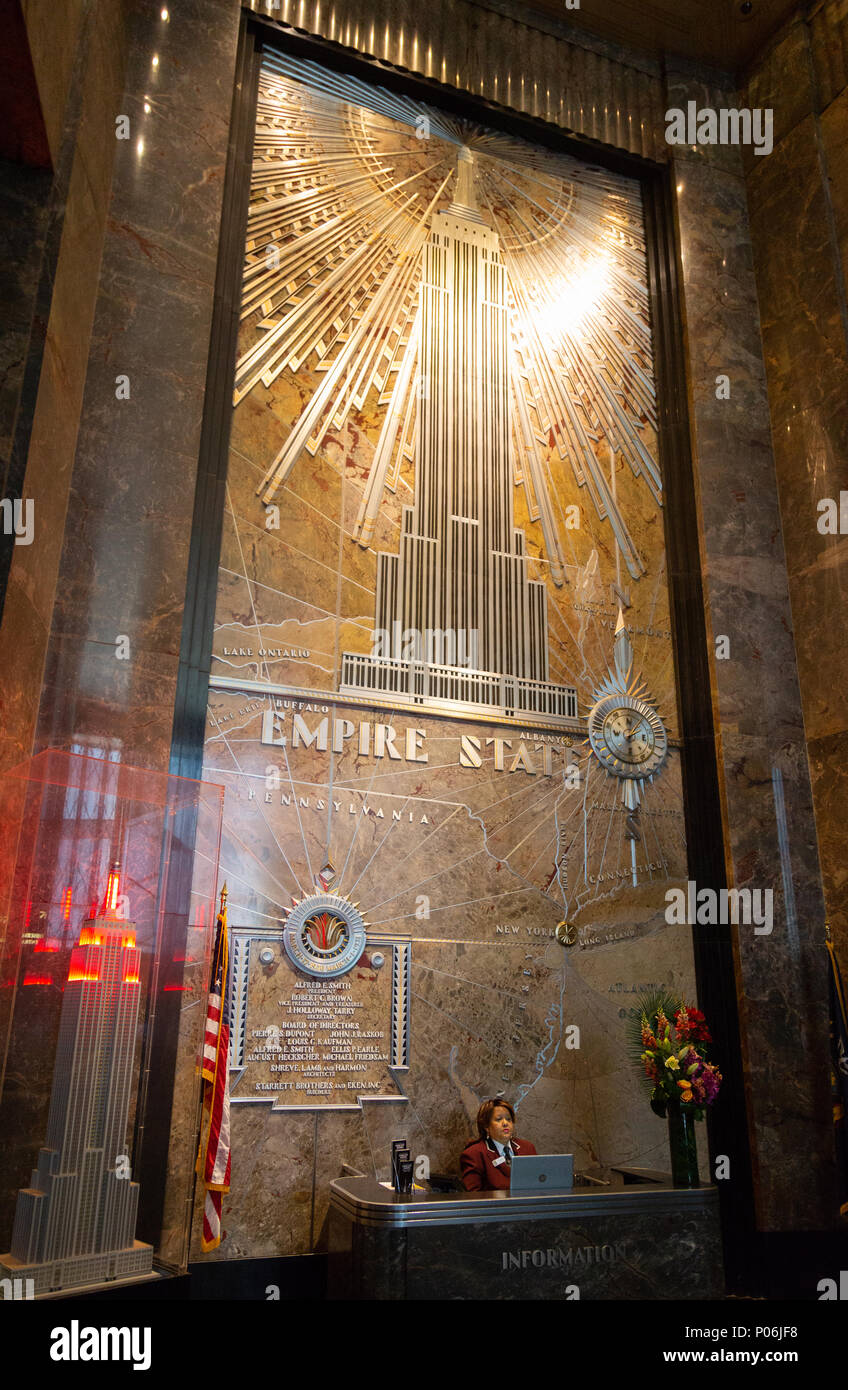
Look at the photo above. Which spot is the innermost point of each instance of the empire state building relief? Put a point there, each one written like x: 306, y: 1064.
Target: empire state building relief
x: 484, y: 305
x: 442, y: 693
x: 462, y: 567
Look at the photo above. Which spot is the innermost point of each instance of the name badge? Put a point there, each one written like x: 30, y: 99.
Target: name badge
x: 496, y: 1162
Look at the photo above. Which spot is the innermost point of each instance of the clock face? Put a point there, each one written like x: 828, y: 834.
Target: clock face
x: 627, y: 736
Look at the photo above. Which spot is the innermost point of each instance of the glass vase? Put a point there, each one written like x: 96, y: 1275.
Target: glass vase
x: 683, y: 1144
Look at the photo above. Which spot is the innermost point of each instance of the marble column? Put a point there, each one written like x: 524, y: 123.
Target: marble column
x: 770, y: 832
x: 79, y: 74
x: 79, y: 83
x: 798, y: 201
x: 113, y: 452
x: 125, y: 553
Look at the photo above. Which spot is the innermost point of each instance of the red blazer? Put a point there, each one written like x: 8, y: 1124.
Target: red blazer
x: 477, y: 1166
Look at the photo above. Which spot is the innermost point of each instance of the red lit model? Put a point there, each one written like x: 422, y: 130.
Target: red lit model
x: 75, y: 1223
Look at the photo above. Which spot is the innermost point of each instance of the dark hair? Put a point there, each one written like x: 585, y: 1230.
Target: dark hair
x: 487, y: 1110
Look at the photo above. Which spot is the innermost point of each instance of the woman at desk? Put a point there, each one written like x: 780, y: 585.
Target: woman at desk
x: 485, y: 1162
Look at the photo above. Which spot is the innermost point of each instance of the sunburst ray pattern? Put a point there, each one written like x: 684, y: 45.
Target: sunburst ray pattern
x: 346, y: 180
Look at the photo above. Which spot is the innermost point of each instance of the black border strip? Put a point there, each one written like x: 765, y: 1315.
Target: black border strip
x: 189, y: 726
x: 713, y: 947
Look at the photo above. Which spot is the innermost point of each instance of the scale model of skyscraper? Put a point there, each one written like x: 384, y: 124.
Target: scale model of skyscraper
x: 460, y: 580
x: 75, y: 1224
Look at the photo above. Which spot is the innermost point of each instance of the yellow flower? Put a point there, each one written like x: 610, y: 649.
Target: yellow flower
x: 672, y: 1064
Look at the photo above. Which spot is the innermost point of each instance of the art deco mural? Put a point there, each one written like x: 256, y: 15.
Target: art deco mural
x: 443, y: 696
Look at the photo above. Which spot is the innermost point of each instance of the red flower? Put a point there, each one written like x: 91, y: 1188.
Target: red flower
x: 691, y: 1025
x: 698, y: 1030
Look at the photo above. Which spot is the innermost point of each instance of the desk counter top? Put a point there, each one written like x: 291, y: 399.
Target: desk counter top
x: 366, y: 1202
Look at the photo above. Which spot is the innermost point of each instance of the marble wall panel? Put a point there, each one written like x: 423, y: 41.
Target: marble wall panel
x: 52, y: 371
x: 828, y: 761
x: 780, y: 81
x: 829, y: 49
x: 269, y: 1211
x: 100, y: 702
x: 151, y: 324
x: 797, y: 203
x: 24, y: 195
x: 345, y: 1139
x: 800, y: 292
x: 138, y: 533
x: 835, y: 150
x: 53, y: 33
x: 73, y: 236
x: 757, y: 698
x: 800, y: 308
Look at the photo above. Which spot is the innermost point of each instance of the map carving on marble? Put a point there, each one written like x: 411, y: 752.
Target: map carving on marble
x: 443, y: 558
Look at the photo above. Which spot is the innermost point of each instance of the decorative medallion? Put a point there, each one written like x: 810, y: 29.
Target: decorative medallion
x: 626, y: 733
x: 324, y: 935
x: 627, y: 736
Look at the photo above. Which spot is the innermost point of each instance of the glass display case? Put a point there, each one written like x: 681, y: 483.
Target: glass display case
x: 108, y: 876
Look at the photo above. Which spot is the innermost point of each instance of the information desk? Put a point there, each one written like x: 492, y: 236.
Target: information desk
x: 638, y: 1238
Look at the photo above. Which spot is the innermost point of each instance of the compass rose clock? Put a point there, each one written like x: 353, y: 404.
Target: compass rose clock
x: 626, y: 733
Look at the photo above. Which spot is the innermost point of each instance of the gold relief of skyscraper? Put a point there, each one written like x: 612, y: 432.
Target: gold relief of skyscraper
x: 493, y: 299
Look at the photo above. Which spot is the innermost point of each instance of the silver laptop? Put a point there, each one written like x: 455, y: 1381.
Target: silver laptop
x: 538, y: 1173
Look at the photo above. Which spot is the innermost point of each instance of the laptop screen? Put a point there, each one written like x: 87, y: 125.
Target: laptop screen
x: 538, y: 1173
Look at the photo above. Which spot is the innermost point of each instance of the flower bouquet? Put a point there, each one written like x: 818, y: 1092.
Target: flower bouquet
x: 669, y: 1038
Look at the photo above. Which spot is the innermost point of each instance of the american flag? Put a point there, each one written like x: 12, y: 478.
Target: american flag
x: 213, y: 1161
